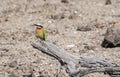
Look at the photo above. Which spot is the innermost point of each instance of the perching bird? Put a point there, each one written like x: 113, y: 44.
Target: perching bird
x: 40, y: 32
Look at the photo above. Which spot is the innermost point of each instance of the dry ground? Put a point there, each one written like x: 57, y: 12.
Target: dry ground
x: 77, y: 26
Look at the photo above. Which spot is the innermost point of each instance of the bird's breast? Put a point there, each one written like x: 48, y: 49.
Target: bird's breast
x: 38, y: 33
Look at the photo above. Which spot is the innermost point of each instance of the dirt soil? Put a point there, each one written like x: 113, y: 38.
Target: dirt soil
x: 78, y: 26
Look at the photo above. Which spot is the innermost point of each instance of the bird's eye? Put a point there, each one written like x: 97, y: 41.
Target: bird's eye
x: 39, y: 27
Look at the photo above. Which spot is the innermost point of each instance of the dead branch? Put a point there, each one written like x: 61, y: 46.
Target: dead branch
x: 76, y: 66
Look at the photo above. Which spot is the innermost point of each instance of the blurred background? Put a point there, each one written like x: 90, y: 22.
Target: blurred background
x: 78, y: 26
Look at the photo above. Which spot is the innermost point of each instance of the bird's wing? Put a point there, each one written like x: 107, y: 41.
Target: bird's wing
x: 44, y: 35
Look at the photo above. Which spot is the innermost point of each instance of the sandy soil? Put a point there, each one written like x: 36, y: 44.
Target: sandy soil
x: 77, y: 26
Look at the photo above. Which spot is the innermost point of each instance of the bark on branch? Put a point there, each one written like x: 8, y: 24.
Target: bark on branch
x: 76, y: 65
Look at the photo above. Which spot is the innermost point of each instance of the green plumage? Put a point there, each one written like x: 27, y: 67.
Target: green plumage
x: 44, y: 35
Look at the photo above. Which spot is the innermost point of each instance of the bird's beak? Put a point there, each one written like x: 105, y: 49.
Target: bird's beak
x: 35, y: 24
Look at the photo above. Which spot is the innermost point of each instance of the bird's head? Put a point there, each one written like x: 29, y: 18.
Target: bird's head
x: 38, y: 26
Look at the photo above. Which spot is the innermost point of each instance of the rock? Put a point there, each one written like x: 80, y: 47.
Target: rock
x: 13, y: 64
x: 58, y: 16
x: 70, y: 46
x: 6, y: 20
x: 108, y: 2
x: 112, y: 37
x: 72, y: 16
x: 83, y: 28
x: 4, y: 49
x: 64, y: 1
x: 89, y: 47
x: 41, y: 75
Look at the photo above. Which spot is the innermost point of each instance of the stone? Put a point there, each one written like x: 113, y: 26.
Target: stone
x: 108, y: 2
x: 64, y: 1
x: 112, y: 37
x: 13, y: 64
x: 27, y: 75
x: 84, y: 28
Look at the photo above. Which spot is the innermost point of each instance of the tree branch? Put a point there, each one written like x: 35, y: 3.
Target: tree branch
x: 75, y: 65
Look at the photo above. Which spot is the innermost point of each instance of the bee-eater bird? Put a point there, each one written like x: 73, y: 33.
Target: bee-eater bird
x: 40, y: 32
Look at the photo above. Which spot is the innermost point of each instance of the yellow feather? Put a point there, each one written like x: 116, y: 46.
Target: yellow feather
x: 39, y: 33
